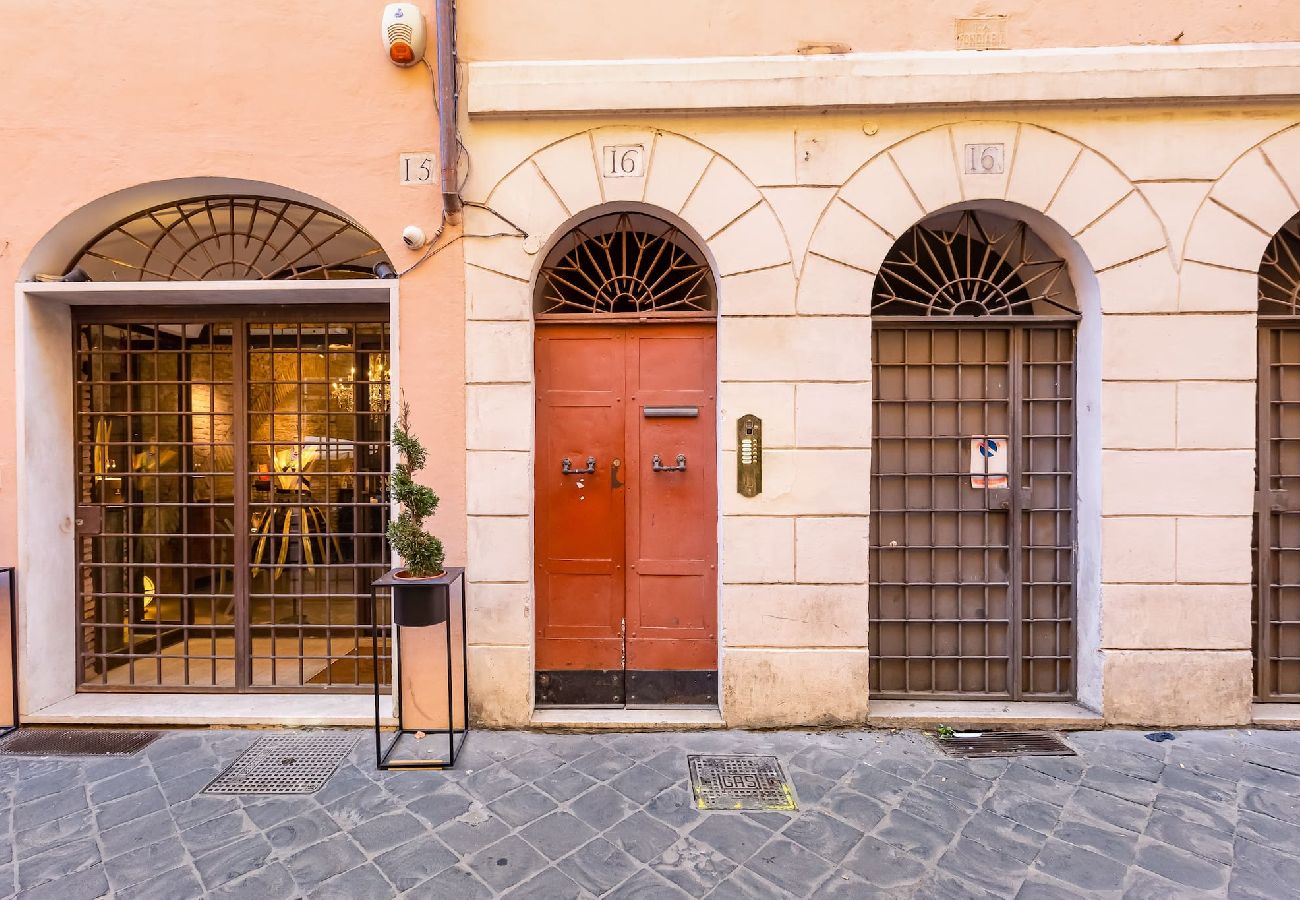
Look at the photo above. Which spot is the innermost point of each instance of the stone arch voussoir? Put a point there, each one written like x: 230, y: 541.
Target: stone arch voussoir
x: 1249, y: 202
x: 563, y: 182
x: 1045, y: 171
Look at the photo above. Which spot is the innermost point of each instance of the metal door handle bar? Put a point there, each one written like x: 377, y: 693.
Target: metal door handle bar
x: 657, y: 464
x: 566, y: 466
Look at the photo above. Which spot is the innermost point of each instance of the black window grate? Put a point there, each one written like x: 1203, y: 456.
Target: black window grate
x: 76, y: 742
x: 979, y: 744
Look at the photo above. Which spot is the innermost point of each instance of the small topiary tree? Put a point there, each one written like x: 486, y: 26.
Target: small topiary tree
x: 421, y: 551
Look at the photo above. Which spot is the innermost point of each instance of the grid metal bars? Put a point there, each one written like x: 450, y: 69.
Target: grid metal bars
x: 231, y: 497
x: 230, y: 238
x: 972, y: 564
x: 1276, y: 607
x: 624, y: 265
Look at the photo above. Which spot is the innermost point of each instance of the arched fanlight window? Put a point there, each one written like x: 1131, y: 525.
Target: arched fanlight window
x: 627, y: 265
x: 971, y: 263
x: 1279, y: 273
x: 230, y: 238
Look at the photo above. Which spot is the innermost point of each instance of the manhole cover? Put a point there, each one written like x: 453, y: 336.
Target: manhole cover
x: 284, y: 764
x: 977, y: 744
x: 77, y: 742
x: 740, y: 782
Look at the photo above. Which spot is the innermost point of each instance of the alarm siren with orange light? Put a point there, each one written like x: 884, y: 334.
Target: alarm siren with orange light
x: 404, y: 33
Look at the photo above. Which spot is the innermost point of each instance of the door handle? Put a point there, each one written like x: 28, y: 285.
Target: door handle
x: 613, y: 473
x: 566, y: 466
x: 657, y: 464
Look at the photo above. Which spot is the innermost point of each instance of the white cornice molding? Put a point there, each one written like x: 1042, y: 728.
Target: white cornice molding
x: 1213, y: 73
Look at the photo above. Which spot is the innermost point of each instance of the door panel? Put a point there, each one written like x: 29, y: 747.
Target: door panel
x: 672, y: 533
x: 626, y: 556
x: 1277, y: 521
x: 972, y: 569
x: 579, y: 548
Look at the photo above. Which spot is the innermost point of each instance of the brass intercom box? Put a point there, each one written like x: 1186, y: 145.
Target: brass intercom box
x: 749, y: 455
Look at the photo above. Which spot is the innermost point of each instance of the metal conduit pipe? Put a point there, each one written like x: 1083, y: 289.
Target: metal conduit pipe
x: 447, y: 142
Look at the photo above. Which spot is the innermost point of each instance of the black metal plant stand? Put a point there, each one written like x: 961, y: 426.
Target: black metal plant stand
x: 455, y: 736
x: 11, y: 578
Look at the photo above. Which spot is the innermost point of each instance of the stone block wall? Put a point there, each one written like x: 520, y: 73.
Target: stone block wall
x: 797, y: 217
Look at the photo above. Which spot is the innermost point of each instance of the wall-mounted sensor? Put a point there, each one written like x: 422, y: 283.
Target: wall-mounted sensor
x: 404, y: 33
x: 413, y: 237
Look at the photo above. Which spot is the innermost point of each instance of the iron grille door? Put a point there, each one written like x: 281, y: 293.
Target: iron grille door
x: 972, y: 591
x: 231, y: 498
x: 1276, y: 610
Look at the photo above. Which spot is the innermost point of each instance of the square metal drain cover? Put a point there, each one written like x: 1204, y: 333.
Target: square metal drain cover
x: 740, y: 782
x: 284, y: 764
x: 979, y: 744
x: 77, y: 742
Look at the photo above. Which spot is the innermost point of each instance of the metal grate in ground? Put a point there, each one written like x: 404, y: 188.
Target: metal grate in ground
x: 284, y: 764
x: 740, y: 782
x: 979, y: 744
x: 77, y: 742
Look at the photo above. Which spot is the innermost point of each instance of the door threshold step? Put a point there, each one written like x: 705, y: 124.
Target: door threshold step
x: 660, y: 719
x: 1275, y: 715
x: 283, y: 710
x: 998, y: 715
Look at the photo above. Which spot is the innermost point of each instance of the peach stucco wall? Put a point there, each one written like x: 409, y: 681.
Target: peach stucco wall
x: 597, y: 29
x: 98, y: 97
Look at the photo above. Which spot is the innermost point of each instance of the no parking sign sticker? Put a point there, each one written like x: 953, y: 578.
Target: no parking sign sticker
x: 988, y: 461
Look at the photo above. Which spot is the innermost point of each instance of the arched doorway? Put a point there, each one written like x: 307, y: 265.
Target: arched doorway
x: 625, y: 477
x: 230, y: 458
x: 1277, y: 520
x: 973, y: 464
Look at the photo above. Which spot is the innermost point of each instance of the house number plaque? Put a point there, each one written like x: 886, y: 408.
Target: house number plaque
x: 985, y: 159
x: 623, y: 161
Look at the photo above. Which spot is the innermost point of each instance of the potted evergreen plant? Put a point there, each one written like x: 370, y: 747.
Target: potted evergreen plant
x: 420, y: 588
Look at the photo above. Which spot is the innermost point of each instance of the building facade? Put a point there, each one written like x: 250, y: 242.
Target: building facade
x: 767, y: 381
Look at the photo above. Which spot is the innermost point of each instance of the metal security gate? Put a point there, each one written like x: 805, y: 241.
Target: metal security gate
x: 972, y: 528
x: 1276, y: 609
x: 232, y: 501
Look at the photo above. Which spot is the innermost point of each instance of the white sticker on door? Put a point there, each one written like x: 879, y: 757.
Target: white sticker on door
x: 988, y: 461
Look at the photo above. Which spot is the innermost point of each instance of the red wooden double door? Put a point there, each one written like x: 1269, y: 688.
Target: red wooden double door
x: 626, y: 514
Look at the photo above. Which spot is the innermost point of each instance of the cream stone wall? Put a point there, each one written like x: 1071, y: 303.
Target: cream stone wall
x: 797, y: 213
x: 506, y: 29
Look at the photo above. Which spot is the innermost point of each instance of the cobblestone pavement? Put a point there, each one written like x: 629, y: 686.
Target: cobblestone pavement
x: 1210, y: 813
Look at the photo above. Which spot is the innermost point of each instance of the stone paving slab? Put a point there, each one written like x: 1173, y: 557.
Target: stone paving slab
x: 553, y: 816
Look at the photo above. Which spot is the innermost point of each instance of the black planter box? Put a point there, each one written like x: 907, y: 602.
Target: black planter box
x: 418, y: 602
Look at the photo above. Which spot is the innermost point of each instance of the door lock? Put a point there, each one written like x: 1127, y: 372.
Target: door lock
x: 657, y: 464
x: 566, y: 467
x: 614, y: 466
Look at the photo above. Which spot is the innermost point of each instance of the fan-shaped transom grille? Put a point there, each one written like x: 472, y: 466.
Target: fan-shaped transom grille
x: 625, y: 264
x: 1279, y: 273
x: 230, y: 238
x: 972, y: 264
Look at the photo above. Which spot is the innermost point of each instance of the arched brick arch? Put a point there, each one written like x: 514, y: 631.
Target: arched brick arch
x: 1255, y: 197
x: 1070, y: 183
